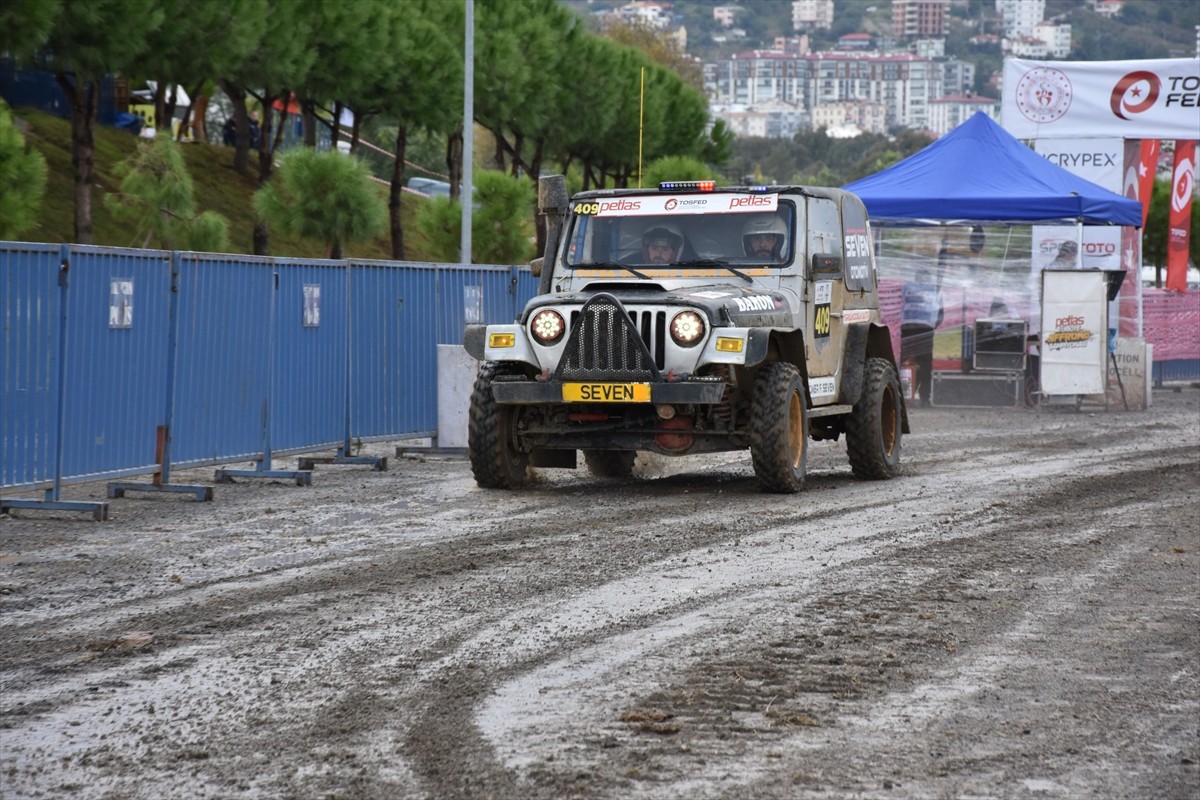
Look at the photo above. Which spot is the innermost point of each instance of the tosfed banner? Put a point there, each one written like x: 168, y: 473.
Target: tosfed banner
x: 1143, y: 99
x: 1183, y: 186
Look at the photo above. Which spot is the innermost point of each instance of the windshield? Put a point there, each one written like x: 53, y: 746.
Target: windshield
x: 664, y: 230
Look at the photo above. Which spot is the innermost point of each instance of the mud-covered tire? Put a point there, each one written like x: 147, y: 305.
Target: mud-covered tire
x: 779, y: 429
x: 491, y: 444
x: 610, y: 463
x: 874, y: 427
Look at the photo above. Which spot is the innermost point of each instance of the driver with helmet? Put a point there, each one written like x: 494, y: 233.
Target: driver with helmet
x: 661, y: 244
x: 764, y: 237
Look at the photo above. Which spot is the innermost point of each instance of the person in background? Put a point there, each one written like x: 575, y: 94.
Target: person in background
x: 920, y: 316
x: 1066, y: 256
x: 254, y: 131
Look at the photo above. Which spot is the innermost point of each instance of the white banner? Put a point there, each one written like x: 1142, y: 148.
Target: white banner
x: 1148, y: 99
x: 1096, y: 160
x: 646, y: 205
x: 1074, y: 337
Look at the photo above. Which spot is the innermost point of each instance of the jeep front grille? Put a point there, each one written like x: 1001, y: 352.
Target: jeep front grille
x: 607, y: 343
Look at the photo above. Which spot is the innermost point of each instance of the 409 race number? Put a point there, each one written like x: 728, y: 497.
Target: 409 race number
x: 821, y: 321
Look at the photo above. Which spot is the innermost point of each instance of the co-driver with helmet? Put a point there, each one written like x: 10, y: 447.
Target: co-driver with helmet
x: 764, y: 237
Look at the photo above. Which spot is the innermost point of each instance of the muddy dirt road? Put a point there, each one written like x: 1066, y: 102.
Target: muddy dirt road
x: 1018, y: 616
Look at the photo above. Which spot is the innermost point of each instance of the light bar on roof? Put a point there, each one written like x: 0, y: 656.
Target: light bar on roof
x: 687, y: 186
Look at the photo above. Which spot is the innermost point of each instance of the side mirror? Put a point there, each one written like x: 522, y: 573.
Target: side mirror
x: 826, y: 264
x: 535, y: 266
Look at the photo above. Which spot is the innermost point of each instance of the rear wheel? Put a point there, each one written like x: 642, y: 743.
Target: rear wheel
x: 874, y: 427
x: 610, y: 463
x: 496, y: 461
x: 779, y: 429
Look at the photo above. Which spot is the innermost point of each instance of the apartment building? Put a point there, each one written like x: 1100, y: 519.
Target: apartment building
x: 1020, y: 16
x: 1057, y: 37
x: 771, y: 118
x: 947, y: 113
x: 920, y: 17
x: 812, y: 14
x: 902, y: 84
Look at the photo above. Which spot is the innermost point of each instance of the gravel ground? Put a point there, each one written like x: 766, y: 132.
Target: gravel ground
x: 1016, y: 616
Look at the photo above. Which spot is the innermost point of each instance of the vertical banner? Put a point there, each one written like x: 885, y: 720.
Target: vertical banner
x: 1183, y: 186
x: 1147, y: 169
x: 1141, y: 164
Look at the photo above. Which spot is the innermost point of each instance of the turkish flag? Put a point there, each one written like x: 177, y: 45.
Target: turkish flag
x: 1147, y: 166
x: 1183, y: 186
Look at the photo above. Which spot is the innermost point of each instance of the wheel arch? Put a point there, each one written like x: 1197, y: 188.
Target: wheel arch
x: 864, y: 341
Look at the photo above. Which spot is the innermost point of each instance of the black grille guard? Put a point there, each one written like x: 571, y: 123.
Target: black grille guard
x: 604, y: 345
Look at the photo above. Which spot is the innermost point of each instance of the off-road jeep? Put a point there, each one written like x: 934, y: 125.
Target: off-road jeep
x: 689, y: 319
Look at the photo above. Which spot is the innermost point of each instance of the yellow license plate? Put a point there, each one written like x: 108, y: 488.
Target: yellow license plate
x: 606, y: 392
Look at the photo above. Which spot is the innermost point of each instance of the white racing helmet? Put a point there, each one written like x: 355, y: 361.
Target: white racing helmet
x: 765, y: 224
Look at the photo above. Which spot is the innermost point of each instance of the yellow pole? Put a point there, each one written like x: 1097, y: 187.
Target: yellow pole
x: 641, y: 125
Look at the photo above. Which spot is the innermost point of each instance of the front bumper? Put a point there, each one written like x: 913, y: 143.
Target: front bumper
x: 551, y: 392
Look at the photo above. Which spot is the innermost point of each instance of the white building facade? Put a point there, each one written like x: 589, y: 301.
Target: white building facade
x: 947, y: 113
x: 812, y: 14
x: 900, y: 83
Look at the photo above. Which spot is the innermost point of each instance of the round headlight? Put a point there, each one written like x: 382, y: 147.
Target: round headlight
x: 547, y: 326
x: 687, y: 328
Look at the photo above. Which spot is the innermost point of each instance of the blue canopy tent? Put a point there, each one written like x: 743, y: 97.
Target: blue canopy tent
x: 979, y: 173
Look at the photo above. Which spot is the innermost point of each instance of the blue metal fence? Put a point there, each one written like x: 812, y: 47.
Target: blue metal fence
x: 121, y: 362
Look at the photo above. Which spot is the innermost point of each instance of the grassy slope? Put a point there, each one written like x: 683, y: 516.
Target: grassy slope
x: 218, y: 188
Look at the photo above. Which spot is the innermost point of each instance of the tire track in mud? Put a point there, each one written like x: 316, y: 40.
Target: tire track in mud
x: 357, y: 665
x: 1035, y: 506
x: 811, y: 681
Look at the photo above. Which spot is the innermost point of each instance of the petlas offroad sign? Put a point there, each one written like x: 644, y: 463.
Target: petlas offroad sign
x: 657, y: 205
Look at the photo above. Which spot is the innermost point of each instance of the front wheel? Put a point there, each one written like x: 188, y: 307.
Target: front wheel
x: 779, y: 429
x: 874, y: 427
x: 496, y: 461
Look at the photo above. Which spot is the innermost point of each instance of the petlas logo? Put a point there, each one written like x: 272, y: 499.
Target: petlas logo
x: 1135, y: 93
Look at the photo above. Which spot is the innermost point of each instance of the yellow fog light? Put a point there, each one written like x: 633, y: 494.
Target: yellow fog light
x: 728, y: 345
x: 502, y: 340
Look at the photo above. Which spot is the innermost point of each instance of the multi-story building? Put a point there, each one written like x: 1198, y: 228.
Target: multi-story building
x: 958, y: 77
x: 771, y: 119
x: 1020, y: 16
x: 1057, y: 37
x: 920, y: 17
x: 866, y: 117
x: 812, y: 14
x: 646, y: 12
x: 903, y: 84
x: 726, y: 16
x: 796, y: 45
x: 947, y: 113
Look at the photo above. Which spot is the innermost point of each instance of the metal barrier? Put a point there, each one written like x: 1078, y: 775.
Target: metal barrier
x: 120, y: 362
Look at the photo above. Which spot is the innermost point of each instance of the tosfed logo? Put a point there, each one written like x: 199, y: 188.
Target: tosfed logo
x: 1135, y: 93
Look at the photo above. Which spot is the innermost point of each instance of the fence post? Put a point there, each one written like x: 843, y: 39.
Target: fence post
x: 51, y: 497
x: 262, y: 469
x: 161, y: 480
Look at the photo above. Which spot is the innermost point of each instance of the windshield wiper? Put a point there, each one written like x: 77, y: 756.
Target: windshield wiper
x: 712, y: 262
x: 612, y: 265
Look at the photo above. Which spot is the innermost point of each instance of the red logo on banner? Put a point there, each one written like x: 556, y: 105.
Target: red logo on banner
x: 1135, y: 93
x: 1183, y: 183
x: 1044, y: 94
